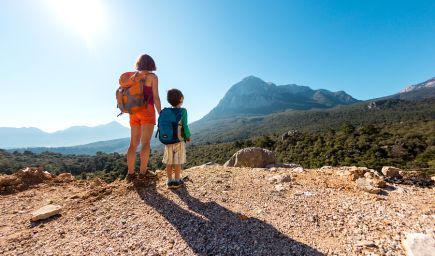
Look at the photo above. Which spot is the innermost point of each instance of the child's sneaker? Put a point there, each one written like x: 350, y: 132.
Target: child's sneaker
x: 170, y: 183
x: 178, y: 183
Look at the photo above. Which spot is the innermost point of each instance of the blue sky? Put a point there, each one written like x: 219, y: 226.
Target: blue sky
x: 60, y: 66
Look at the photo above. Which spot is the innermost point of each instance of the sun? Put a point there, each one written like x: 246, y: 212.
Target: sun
x: 85, y: 17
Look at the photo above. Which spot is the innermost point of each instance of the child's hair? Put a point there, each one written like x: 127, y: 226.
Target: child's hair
x: 145, y: 62
x: 174, y: 97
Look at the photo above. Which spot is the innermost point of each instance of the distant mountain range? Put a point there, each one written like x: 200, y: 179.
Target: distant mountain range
x: 76, y: 135
x: 253, y: 107
x: 311, y: 110
x: 253, y: 96
x: 108, y: 146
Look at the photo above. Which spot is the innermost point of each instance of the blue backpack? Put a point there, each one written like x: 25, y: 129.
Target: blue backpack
x: 169, y: 126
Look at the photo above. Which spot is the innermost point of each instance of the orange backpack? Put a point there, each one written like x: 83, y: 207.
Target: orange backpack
x: 130, y: 95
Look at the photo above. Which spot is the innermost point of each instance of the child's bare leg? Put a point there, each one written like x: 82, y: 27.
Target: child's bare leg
x: 169, y: 171
x: 177, y: 168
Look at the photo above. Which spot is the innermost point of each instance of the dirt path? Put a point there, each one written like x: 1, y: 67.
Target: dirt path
x: 222, y: 211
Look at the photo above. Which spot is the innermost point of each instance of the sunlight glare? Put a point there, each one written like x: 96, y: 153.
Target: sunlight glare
x: 85, y: 17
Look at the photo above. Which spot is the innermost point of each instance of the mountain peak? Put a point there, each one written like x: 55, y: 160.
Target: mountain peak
x: 426, y: 84
x: 252, y: 78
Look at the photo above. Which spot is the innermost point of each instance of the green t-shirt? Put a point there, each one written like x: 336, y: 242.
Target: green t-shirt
x: 184, y: 123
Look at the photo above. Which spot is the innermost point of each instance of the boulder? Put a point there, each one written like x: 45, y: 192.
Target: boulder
x: 32, y: 175
x: 23, y: 179
x: 65, y: 177
x: 391, y: 172
x: 418, y: 244
x: 375, y: 180
x: 46, y: 212
x: 251, y: 157
x: 352, y: 173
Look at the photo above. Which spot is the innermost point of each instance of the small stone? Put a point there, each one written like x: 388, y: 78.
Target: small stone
x: 308, y: 193
x: 280, y: 178
x: 298, y: 169
x: 365, y: 244
x: 279, y: 187
x: 364, y: 185
x: 401, y: 190
x: 46, y: 212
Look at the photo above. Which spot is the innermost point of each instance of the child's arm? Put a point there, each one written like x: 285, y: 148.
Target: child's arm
x: 184, y: 124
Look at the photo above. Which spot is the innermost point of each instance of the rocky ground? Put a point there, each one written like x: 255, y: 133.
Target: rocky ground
x: 221, y: 211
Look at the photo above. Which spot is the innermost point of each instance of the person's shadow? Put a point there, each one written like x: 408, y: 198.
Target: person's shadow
x: 220, y: 231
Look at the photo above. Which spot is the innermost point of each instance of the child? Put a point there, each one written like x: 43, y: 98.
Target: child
x: 175, y: 154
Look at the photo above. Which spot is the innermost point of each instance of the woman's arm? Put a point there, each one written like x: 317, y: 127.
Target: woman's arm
x: 156, y: 98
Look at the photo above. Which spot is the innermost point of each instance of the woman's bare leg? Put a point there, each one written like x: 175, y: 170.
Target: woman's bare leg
x: 147, y: 132
x: 134, y: 143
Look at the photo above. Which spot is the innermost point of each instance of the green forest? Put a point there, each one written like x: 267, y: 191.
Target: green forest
x: 408, y: 145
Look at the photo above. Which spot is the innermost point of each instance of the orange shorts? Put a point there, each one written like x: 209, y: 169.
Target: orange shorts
x: 143, y: 116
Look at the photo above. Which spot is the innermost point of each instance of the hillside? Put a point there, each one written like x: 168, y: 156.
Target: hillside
x: 405, y: 144
x: 385, y: 112
x: 314, y: 212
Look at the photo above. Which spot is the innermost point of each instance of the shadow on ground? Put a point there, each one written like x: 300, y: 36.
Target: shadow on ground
x: 211, y: 229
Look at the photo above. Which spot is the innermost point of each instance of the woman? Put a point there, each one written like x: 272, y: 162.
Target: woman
x: 143, y: 119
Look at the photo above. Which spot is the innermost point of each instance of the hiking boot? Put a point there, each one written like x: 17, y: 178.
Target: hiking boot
x: 130, y: 177
x: 147, y: 174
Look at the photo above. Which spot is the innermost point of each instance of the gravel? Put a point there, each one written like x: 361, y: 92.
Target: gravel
x: 221, y: 211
